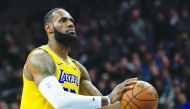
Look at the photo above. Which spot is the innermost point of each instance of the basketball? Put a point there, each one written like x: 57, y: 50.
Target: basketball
x: 142, y: 96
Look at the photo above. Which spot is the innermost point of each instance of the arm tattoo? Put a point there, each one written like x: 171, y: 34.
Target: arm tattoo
x: 40, y: 65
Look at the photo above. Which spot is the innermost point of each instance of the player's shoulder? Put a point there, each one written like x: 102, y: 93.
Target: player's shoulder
x: 39, y: 55
x: 37, y: 52
x: 39, y: 61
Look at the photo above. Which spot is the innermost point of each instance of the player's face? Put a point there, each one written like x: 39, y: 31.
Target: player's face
x: 64, y: 30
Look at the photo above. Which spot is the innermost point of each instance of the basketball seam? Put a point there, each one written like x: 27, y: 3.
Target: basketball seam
x: 127, y: 105
x: 141, y: 92
x: 125, y: 101
x: 131, y: 100
x: 134, y: 96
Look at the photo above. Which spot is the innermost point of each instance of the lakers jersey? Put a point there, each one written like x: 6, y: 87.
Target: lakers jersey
x: 67, y: 74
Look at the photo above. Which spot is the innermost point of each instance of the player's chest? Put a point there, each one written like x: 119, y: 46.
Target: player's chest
x: 68, y: 76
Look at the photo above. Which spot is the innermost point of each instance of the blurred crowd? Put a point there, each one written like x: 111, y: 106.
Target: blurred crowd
x: 118, y: 39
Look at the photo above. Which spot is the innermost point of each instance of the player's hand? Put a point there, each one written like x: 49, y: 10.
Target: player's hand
x: 117, y: 92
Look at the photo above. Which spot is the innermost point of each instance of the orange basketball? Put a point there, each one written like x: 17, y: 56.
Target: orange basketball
x: 142, y: 96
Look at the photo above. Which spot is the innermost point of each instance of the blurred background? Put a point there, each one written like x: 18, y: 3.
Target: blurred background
x: 118, y: 39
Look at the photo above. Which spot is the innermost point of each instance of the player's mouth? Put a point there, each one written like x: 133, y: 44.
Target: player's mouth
x: 71, y: 30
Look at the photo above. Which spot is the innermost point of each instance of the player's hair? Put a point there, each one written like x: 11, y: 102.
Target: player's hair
x: 48, y: 16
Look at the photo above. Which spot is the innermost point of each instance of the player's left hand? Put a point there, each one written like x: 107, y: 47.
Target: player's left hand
x: 117, y: 92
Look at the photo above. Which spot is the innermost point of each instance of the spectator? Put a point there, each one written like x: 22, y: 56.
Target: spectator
x: 182, y: 102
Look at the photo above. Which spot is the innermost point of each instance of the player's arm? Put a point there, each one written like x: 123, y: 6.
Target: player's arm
x: 41, y: 66
x: 87, y: 88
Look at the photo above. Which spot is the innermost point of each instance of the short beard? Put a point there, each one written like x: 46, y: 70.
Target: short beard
x: 65, y: 38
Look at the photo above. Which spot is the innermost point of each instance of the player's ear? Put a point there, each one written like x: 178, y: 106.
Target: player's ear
x: 48, y: 27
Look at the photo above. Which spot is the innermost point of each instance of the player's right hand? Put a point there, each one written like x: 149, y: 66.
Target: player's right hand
x: 117, y: 92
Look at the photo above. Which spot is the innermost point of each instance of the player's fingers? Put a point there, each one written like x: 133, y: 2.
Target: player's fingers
x: 126, y: 88
x: 129, y: 82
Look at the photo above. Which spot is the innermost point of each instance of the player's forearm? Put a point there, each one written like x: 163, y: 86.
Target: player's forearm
x: 86, y: 88
x: 59, y: 99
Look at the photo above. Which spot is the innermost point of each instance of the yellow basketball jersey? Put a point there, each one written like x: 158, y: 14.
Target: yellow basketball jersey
x: 67, y: 74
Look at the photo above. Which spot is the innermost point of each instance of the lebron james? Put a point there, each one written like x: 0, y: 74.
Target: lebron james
x: 53, y: 80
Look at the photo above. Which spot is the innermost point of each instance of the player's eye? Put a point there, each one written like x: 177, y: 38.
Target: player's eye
x: 63, y: 19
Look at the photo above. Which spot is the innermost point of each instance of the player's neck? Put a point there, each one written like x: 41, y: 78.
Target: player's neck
x: 59, y: 49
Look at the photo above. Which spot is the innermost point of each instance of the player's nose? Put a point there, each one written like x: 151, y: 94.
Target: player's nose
x: 70, y: 24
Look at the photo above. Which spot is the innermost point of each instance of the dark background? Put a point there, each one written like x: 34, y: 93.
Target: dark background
x: 118, y: 39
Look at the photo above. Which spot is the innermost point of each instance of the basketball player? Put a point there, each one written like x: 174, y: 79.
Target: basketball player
x: 54, y: 80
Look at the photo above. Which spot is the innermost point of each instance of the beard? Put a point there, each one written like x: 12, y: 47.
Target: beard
x: 65, y: 38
